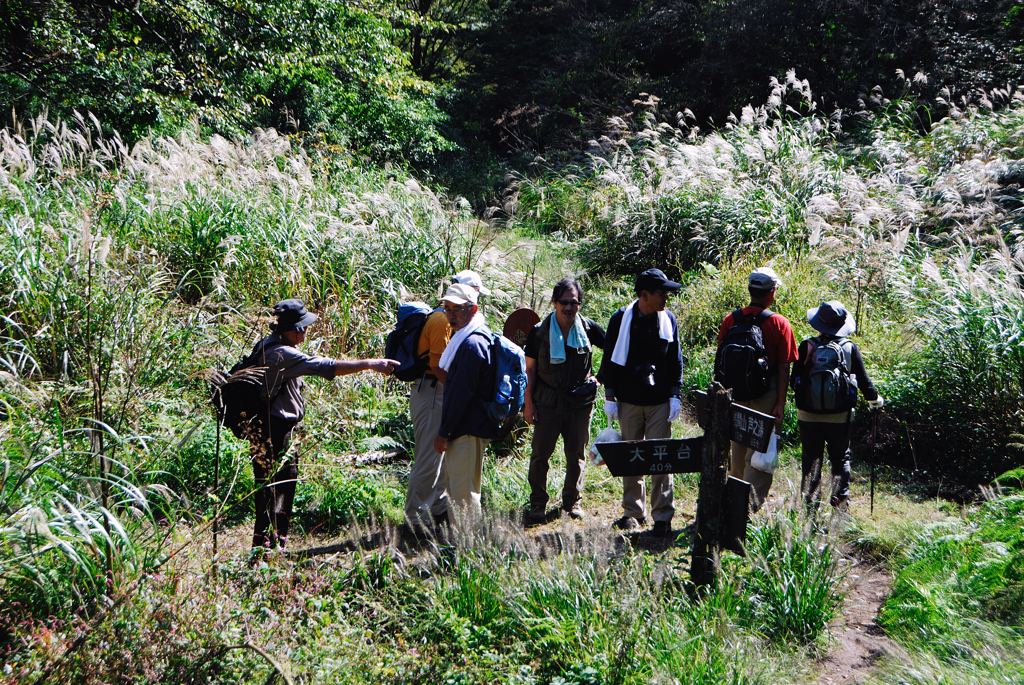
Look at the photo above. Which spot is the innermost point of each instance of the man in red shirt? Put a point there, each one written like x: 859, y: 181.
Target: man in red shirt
x: 781, y: 349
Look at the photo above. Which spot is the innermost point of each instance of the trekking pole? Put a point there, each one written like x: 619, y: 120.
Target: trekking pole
x: 216, y: 489
x: 216, y: 486
x: 874, y: 439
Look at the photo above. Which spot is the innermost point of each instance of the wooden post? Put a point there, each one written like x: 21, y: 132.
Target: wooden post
x: 705, y: 564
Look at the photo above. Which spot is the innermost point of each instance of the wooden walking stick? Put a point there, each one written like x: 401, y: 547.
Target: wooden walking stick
x: 874, y: 439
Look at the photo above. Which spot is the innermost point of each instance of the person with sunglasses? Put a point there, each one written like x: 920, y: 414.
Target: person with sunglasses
x: 560, y: 394
x: 642, y: 378
x: 275, y: 467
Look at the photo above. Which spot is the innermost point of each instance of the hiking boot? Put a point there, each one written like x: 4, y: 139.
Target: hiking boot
x: 628, y: 523
x: 534, y: 517
x: 414, y: 532
x: 574, y: 512
x: 662, y: 529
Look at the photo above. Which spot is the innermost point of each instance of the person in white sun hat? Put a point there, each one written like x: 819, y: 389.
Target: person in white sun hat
x: 465, y: 426
x: 473, y: 280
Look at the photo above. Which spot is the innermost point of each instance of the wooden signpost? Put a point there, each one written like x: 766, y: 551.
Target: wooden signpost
x: 723, y: 502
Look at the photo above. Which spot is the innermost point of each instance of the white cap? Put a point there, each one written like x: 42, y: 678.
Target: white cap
x: 764, y: 278
x: 459, y: 293
x: 472, y: 278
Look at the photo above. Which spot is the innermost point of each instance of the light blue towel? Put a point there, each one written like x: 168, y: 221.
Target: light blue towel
x: 577, y: 338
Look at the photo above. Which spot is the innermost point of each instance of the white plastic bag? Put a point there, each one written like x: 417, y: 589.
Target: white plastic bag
x: 607, y: 435
x: 768, y: 460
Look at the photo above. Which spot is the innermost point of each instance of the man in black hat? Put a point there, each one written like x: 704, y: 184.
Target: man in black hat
x: 828, y: 372
x: 282, y: 391
x: 642, y: 373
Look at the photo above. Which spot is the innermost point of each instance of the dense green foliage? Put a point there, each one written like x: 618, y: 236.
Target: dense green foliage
x: 957, y: 597
x: 574, y: 63
x: 514, y: 75
x: 328, y: 67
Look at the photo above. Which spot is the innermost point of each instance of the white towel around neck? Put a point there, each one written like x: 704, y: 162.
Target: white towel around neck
x: 666, y: 331
x: 448, y: 356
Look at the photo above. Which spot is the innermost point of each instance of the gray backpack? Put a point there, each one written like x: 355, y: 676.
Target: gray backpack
x: 826, y: 386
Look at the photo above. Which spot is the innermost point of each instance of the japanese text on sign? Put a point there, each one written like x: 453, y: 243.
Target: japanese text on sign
x: 751, y: 428
x: 643, y: 457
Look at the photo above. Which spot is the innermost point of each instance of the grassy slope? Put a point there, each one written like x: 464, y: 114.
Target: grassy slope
x: 188, y: 230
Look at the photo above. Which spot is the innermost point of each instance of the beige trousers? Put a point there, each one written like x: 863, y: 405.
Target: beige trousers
x: 639, y: 422
x: 428, y: 482
x: 739, y: 463
x: 465, y: 463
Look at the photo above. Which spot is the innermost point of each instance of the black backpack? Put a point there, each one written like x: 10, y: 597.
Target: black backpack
x: 825, y: 386
x: 403, y: 342
x: 236, y: 395
x: 742, y: 360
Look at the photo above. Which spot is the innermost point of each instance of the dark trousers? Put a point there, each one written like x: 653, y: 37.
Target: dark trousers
x: 574, y: 428
x: 275, y: 493
x: 813, y: 439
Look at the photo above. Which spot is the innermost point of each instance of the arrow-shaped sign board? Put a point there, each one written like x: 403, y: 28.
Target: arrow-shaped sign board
x: 749, y: 427
x: 652, y: 457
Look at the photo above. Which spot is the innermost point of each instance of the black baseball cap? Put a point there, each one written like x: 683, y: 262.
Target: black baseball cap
x: 292, y: 315
x: 655, y: 279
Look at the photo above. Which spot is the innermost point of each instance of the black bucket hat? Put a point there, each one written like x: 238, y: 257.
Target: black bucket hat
x: 833, y: 318
x: 292, y: 315
x: 655, y: 279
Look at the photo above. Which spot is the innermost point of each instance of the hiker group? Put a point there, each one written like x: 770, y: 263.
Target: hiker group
x: 466, y: 381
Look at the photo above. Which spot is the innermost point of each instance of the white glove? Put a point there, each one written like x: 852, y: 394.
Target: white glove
x: 611, y: 409
x: 876, y: 404
x: 674, y: 407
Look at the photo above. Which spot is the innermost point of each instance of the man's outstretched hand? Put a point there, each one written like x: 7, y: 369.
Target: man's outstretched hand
x: 343, y: 367
x: 384, y: 366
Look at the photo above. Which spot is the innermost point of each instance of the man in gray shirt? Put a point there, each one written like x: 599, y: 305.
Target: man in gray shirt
x: 282, y: 390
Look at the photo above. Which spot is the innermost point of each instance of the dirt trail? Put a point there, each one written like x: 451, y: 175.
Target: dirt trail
x: 860, y: 641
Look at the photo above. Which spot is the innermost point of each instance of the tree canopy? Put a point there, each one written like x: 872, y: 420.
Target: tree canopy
x: 383, y: 76
x: 327, y: 66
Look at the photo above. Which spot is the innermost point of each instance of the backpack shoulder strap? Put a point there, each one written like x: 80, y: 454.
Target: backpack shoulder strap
x: 812, y: 344
x: 257, y: 359
x: 846, y: 347
x: 763, y: 316
x: 737, y: 316
x: 490, y: 336
x: 254, y: 356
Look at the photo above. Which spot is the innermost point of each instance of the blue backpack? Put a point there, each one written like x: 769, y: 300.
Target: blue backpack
x: 403, y: 342
x: 509, y: 379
